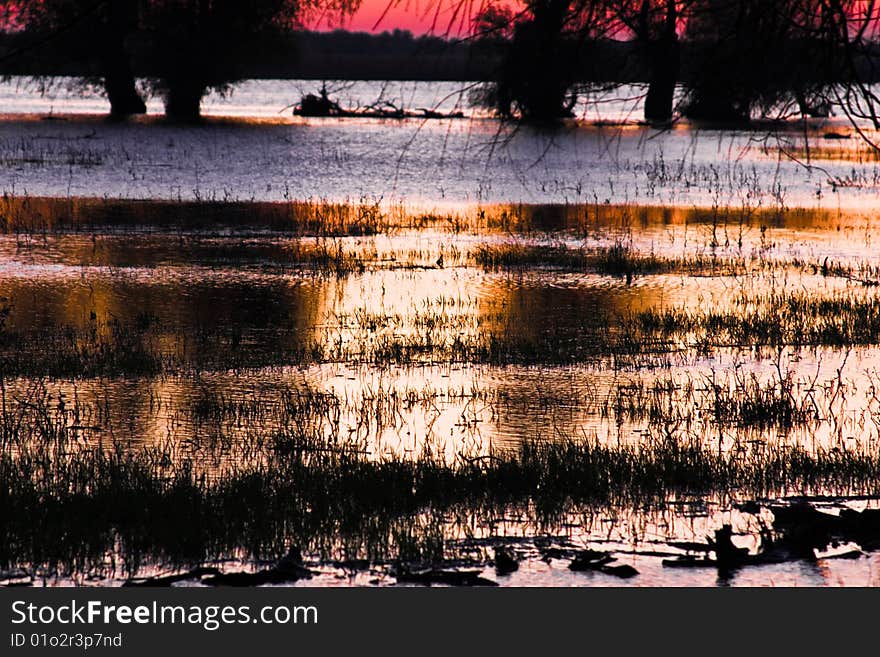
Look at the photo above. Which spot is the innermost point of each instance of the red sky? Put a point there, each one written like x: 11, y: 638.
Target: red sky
x: 417, y: 16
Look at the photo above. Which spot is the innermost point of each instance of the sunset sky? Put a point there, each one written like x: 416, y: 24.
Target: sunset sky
x: 442, y: 17
x: 417, y: 16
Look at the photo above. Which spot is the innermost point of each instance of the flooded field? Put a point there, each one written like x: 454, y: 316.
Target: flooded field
x: 392, y: 373
x: 241, y: 154
x: 389, y: 388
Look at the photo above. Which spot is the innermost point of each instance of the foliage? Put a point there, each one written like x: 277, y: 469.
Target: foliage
x: 191, y: 46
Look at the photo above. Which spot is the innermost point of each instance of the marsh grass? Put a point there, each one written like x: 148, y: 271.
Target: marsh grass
x: 619, y: 259
x: 146, y: 345
x: 65, y: 506
x: 248, y: 418
x: 32, y: 215
x: 772, y: 319
x: 245, y: 474
x: 35, y: 215
x: 98, y: 498
x: 753, y: 404
x: 719, y: 400
x: 100, y: 349
x: 615, y: 260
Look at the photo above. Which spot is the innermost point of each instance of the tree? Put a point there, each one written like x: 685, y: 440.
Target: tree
x: 767, y: 56
x: 654, y: 26
x: 540, y: 62
x: 196, y: 46
x: 658, y: 31
x: 844, y: 35
x: 96, y: 33
x: 734, y: 58
x: 185, y: 47
x: 547, y: 50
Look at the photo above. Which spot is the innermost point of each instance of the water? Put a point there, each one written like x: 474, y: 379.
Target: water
x: 212, y: 330
x: 195, y: 284
x: 268, y: 99
x: 262, y: 152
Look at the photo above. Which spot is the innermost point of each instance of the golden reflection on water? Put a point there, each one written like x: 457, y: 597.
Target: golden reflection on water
x: 276, y: 291
x: 31, y: 214
x: 451, y: 407
x: 230, y: 304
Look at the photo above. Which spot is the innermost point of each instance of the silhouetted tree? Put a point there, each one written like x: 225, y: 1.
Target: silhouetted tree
x: 201, y: 45
x: 766, y: 56
x: 187, y: 46
x: 545, y: 54
x: 97, y: 33
x: 654, y: 25
x: 540, y: 62
x: 842, y: 37
x: 731, y: 41
x: 744, y: 57
x: 494, y: 24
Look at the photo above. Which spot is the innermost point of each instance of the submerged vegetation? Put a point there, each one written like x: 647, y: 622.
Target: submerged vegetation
x: 146, y: 346
x: 243, y: 384
x: 390, y: 393
x: 616, y: 260
x: 67, y: 505
x: 30, y: 217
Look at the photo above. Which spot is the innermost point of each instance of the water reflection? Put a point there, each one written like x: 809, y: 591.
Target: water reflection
x: 237, y: 319
x: 436, y: 162
x: 252, y: 340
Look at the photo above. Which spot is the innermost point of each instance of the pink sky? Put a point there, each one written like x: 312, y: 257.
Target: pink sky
x: 427, y: 16
x: 417, y: 16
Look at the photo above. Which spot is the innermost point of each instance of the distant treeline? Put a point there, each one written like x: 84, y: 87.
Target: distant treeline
x: 396, y: 55
x: 341, y: 55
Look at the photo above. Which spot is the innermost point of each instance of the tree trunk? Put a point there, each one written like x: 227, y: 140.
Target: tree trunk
x: 183, y: 100
x: 540, y: 71
x: 664, y: 76
x: 665, y: 62
x: 121, y: 90
x: 119, y: 80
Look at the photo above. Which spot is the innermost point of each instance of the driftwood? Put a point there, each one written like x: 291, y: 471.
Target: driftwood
x: 168, y: 580
x: 505, y: 561
x: 600, y: 562
x: 690, y: 561
x: 799, y: 530
x: 16, y: 578
x: 259, y: 578
x: 288, y: 569
x: 321, y: 105
x: 802, y: 524
x: 442, y: 577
